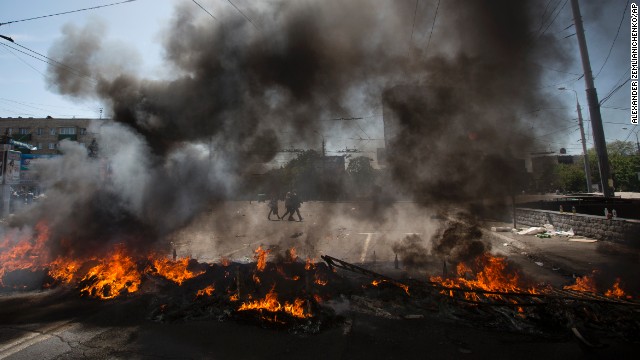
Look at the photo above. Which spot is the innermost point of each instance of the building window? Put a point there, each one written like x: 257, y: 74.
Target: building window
x: 52, y: 131
x: 23, y: 131
x: 67, y: 131
x: 52, y: 146
x: 10, y: 131
x: 40, y: 131
x: 83, y: 131
x: 39, y: 146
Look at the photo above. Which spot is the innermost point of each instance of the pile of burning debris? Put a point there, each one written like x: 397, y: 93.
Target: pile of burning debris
x: 287, y: 292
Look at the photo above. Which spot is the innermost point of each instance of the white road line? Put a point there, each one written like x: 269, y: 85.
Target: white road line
x: 365, y: 248
x: 33, y: 338
x: 243, y: 248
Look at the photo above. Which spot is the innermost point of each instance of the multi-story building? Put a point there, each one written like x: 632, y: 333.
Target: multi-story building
x: 46, y: 133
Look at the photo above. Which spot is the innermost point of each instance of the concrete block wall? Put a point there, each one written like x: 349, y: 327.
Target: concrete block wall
x: 625, y: 231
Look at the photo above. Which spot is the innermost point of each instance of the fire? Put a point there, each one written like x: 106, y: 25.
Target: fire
x: 584, y: 283
x: 270, y: 303
x: 112, y: 276
x: 310, y: 264
x: 616, y: 291
x: 492, y: 275
x: 291, y: 255
x: 321, y: 279
x: 175, y: 271
x: 261, y: 258
x: 63, y: 270
x: 24, y: 253
x: 206, y: 291
x: 224, y: 261
x: 404, y: 287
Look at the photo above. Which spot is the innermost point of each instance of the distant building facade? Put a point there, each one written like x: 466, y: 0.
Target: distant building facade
x: 46, y: 133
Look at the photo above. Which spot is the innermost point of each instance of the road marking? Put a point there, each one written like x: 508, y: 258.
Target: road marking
x: 242, y: 248
x: 33, y: 338
x: 365, y: 248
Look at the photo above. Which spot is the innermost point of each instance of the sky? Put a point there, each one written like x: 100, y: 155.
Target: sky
x: 140, y: 24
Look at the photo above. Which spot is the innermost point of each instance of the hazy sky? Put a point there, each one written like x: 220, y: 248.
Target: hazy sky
x: 139, y: 25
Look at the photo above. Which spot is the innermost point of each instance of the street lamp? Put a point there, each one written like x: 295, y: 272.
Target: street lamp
x: 587, y: 168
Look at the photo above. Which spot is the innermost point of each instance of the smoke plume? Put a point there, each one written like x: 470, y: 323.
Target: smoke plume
x: 238, y: 90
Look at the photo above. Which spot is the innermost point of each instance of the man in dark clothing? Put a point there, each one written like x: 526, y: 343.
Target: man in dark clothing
x: 273, y: 206
x: 295, y: 204
x: 288, y: 207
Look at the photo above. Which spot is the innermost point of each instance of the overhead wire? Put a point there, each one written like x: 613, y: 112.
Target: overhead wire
x: 614, y: 40
x: 433, y: 23
x: 413, y: 27
x: 22, y: 60
x: 67, y: 12
x: 50, y: 61
x: 205, y: 10
x: 554, y: 18
x: 606, y: 98
x: 243, y: 14
x: 544, y: 12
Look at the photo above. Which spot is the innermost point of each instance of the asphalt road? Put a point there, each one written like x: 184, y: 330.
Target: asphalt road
x: 57, y: 324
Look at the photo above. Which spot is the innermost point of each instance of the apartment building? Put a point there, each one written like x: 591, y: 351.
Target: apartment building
x: 46, y: 133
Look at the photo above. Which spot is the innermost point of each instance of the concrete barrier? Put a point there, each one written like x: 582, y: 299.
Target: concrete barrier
x: 624, y: 231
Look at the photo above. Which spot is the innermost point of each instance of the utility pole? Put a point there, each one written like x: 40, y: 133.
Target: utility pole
x: 594, y: 106
x: 585, y: 156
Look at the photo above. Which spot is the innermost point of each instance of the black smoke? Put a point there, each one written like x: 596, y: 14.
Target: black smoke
x: 238, y: 90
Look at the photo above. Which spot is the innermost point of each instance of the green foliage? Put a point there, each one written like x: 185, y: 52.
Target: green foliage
x: 624, y: 162
x: 570, y: 177
x: 360, y: 167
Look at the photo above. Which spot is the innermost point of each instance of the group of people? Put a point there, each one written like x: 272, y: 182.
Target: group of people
x: 291, y: 203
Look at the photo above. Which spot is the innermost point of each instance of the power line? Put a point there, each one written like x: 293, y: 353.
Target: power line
x: 67, y: 12
x: 205, y: 10
x: 50, y: 61
x: 613, y: 92
x: 614, y: 39
x: 24, y: 62
x: 435, y: 17
x: 415, y: 12
x: 554, y: 18
x: 543, y: 14
x: 245, y: 16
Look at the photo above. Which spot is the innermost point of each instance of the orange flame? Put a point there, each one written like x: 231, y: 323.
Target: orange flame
x: 175, y: 271
x: 310, y: 264
x: 63, y: 270
x: 291, y: 255
x: 206, y: 291
x: 404, y: 287
x: 261, y: 258
x: 112, y: 276
x: 616, y: 291
x: 584, y: 283
x: 492, y: 275
x: 24, y: 253
x: 320, y: 279
x: 270, y: 303
x: 224, y: 261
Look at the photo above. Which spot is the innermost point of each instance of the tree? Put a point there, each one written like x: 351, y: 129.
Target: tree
x: 362, y: 174
x: 624, y: 162
x: 571, y: 177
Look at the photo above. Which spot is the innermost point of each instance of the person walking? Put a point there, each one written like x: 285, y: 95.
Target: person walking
x: 295, y: 204
x: 273, y: 206
x: 288, y: 206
